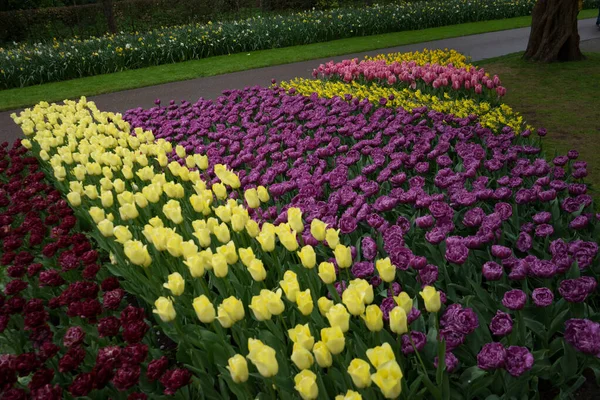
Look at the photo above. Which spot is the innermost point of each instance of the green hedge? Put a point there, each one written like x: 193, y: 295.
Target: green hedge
x: 34, y: 64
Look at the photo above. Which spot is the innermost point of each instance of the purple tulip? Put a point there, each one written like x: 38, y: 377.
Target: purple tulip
x: 416, y: 340
x: 369, y: 248
x: 363, y: 269
x: 492, y: 271
x: 456, y: 252
x: 577, y: 290
x: 450, y: 360
x: 542, y: 297
x: 501, y: 252
x: 518, y: 360
x: 501, y: 324
x: 584, y: 335
x: 491, y: 356
x: 514, y: 299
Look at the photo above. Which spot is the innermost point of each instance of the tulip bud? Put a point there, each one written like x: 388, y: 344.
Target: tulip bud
x: 431, y: 297
x: 317, y: 229
x: 307, y: 256
x: 360, y: 372
x: 322, y: 355
x: 176, y: 284
x: 373, y: 318
x: 238, y: 368
x: 204, y: 309
x: 334, y: 339
x: 306, y: 384
x: 164, y: 309
x: 398, y: 322
x: 327, y: 272
x: 304, y: 302
x: 387, y: 272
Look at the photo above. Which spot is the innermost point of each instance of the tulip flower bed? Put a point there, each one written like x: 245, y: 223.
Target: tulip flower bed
x: 460, y: 82
x: 307, y: 245
x: 64, y: 325
x: 426, y: 56
x: 32, y: 64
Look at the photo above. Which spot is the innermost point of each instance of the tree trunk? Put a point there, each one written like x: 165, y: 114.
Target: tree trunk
x: 554, y: 35
x: 107, y: 7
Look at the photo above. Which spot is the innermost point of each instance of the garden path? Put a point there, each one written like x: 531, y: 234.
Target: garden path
x: 478, y: 47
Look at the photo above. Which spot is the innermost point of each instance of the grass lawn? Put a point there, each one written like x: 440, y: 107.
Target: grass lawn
x: 564, y: 98
x: 57, y: 91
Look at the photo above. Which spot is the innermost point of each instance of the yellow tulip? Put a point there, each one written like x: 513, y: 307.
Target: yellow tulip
x: 125, y: 198
x: 172, y: 210
x: 180, y: 150
x: 74, y: 199
x: 79, y: 171
x: 76, y: 186
x: 343, y: 256
x: 26, y: 143
x: 252, y: 228
x: 332, y: 237
x: 128, y: 211
x: 223, y: 213
x: 274, y: 302
x: 339, y: 316
x: 222, y: 233
x: 327, y: 272
x: 106, y: 228
x: 127, y: 172
x: 306, y: 384
x: 219, y: 264
x: 307, y: 256
x: 204, y: 309
x: 196, y: 265
x: 119, y: 185
x: 302, y: 336
x: 122, y: 234
x: 140, y: 200
x: 290, y: 285
x: 238, y: 222
x: 301, y: 357
x: 164, y: 309
x: 246, y: 255
x: 304, y: 302
x: 260, y: 308
x: 350, y: 395
x: 334, y: 339
x: 380, y: 355
x: 238, y: 368
x: 353, y: 300
x: 60, y: 173
x: 389, y: 379
x: 230, y: 311
x: 294, y: 215
x: 266, y: 240
x: 137, y: 253
x: 203, y: 236
x: 251, y: 197
x: 288, y: 240
x: 263, y: 357
x: 257, y: 270
x: 107, y: 199
x: 431, y: 297
x: 91, y: 192
x: 398, y: 322
x: 227, y: 177
x: 403, y: 300
x: 373, y: 318
x: 219, y: 190
x: 360, y: 372
x: 229, y: 252
x: 364, y: 289
x: 176, y: 284
x: 317, y: 229
x: 324, y: 305
x: 201, y: 161
x: 173, y: 190
x: 263, y: 194
x: 387, y: 272
x: 322, y: 355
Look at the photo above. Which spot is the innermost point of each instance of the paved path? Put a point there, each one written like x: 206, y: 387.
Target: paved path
x: 478, y: 47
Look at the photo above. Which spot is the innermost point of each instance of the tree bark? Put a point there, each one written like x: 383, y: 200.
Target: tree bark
x: 107, y: 7
x: 554, y: 35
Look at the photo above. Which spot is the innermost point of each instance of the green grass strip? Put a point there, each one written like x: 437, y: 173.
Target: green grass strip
x: 58, y: 91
